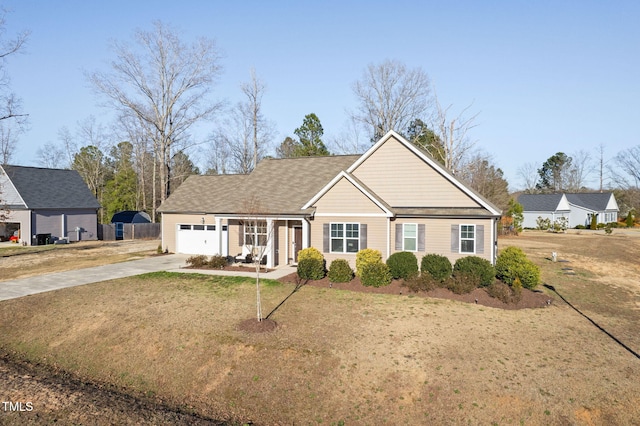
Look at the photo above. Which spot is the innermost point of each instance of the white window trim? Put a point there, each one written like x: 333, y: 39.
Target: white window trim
x: 257, y: 224
x: 344, y: 237
x: 404, y: 237
x: 460, y: 239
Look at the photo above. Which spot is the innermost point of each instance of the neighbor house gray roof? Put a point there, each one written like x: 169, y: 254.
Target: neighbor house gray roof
x: 275, y: 186
x: 42, y: 188
x: 539, y: 202
x: 596, y: 201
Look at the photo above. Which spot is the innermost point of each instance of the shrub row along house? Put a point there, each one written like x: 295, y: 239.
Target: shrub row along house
x: 394, y: 197
x: 45, y: 205
x: 572, y: 208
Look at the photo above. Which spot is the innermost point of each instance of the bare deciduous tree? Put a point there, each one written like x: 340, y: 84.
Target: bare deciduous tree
x: 390, y: 96
x: 165, y: 84
x: 8, y: 141
x: 626, y: 168
x: 261, y: 129
x: 258, y: 233
x: 528, y: 173
x: 50, y: 156
x: 10, y: 105
x: 453, y: 135
x: 581, y: 168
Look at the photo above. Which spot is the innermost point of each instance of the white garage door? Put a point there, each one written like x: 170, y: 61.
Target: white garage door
x: 197, y: 239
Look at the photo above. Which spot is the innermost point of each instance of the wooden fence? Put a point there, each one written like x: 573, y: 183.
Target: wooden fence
x: 131, y: 231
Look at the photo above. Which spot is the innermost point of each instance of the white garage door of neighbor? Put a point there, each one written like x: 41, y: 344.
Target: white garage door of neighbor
x: 197, y: 239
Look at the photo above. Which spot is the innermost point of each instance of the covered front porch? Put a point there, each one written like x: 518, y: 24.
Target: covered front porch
x: 277, y: 239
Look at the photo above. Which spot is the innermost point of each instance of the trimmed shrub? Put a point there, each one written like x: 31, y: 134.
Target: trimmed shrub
x: 310, y: 253
x: 197, y: 261
x: 403, y: 264
x: 437, y: 266
x: 375, y: 275
x: 340, y: 271
x: 218, y: 262
x: 463, y: 283
x: 475, y: 266
x: 366, y: 257
x: 424, y: 282
x: 513, y: 264
x: 311, y: 264
x: 503, y: 292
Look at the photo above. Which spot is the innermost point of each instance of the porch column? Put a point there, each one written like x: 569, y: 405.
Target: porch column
x: 270, y: 244
x: 286, y: 242
x: 221, y: 251
x: 306, y: 227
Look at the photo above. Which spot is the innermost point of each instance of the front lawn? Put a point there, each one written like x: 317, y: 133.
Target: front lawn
x: 337, y: 357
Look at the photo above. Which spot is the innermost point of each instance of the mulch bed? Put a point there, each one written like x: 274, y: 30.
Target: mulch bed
x: 530, y: 299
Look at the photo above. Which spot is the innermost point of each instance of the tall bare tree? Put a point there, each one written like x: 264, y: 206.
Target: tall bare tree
x: 261, y: 129
x: 10, y: 104
x: 8, y: 141
x: 528, y: 173
x: 453, y: 134
x: 164, y: 83
x: 580, y: 171
x: 626, y: 168
x: 389, y: 96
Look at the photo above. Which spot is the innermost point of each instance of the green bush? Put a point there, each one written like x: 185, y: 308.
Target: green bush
x: 310, y: 253
x: 424, y: 282
x: 311, y: 264
x: 375, y: 275
x: 218, y: 262
x: 437, y: 266
x: 513, y: 264
x: 197, y: 261
x: 475, y: 266
x: 340, y: 271
x: 463, y: 283
x: 366, y: 257
x: 402, y: 264
x: 630, y: 221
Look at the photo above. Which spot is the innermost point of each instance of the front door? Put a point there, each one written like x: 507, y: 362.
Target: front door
x: 297, y: 242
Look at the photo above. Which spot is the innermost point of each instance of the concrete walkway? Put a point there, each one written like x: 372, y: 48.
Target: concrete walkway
x: 173, y: 263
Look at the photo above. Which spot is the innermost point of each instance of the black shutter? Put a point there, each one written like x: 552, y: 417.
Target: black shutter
x: 455, y: 236
x: 399, y: 237
x: 326, y: 228
x: 363, y: 236
x: 421, y: 237
x: 479, y: 239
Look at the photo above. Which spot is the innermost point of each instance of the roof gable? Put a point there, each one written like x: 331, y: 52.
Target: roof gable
x: 353, y: 190
x: 41, y: 188
x: 406, y: 176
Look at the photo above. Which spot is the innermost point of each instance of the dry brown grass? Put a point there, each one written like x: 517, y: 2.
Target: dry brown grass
x: 22, y: 262
x: 350, y: 357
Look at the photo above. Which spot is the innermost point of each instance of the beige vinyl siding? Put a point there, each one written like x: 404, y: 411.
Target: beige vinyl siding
x: 438, y: 237
x: 344, y: 197
x: 402, y: 179
x: 376, y: 235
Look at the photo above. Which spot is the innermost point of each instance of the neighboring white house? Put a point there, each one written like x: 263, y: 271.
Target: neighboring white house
x: 577, y: 208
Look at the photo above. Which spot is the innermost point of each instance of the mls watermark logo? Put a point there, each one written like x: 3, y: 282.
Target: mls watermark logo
x: 11, y: 407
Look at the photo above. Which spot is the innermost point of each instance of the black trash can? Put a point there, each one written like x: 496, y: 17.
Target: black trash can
x: 43, y: 239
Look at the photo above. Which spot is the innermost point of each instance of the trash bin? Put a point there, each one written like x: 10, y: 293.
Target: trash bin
x: 43, y: 239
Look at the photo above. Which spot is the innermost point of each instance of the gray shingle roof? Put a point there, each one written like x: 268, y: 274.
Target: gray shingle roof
x: 539, y: 202
x: 51, y: 188
x: 596, y: 201
x: 276, y: 186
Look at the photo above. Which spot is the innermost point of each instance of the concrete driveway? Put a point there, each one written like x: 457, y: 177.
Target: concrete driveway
x: 41, y: 283
x: 173, y: 263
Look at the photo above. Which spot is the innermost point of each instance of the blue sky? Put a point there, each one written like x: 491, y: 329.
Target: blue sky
x: 544, y: 76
